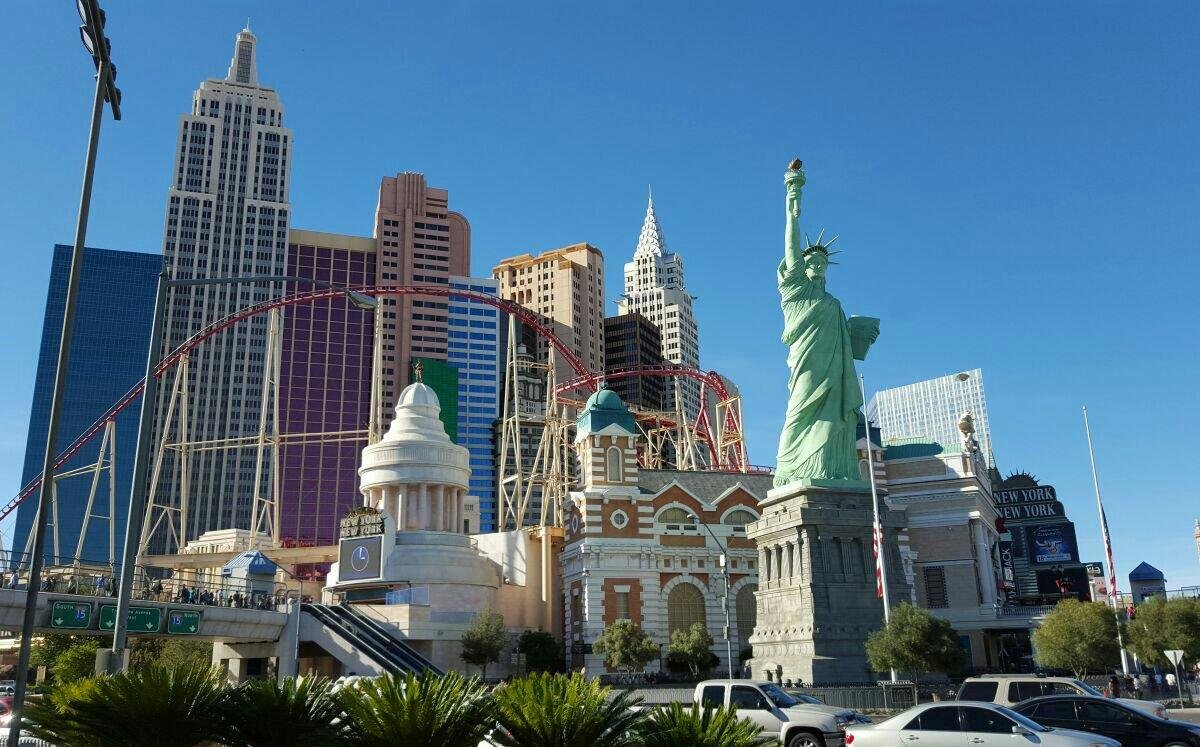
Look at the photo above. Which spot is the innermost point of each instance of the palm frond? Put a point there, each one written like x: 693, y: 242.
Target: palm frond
x: 674, y: 726
x: 426, y: 710
x: 544, y: 710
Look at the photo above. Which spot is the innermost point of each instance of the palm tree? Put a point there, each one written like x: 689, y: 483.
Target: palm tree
x: 301, y: 711
x: 557, y: 710
x: 153, y: 707
x: 425, y: 711
x: 673, y: 726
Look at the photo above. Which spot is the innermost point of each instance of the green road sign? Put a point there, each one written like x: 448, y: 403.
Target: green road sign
x: 139, y: 619
x: 71, y: 615
x: 183, y: 622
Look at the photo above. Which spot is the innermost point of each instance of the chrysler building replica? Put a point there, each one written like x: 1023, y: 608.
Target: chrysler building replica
x: 227, y: 216
x: 654, y: 288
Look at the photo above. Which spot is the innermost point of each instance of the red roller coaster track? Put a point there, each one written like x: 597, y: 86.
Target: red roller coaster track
x: 585, y: 378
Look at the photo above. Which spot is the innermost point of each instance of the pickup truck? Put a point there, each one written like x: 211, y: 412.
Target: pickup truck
x: 797, y: 724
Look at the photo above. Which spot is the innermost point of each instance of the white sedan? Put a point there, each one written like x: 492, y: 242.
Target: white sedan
x: 966, y: 724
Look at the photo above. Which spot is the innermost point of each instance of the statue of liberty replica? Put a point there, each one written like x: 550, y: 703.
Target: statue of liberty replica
x: 819, y: 433
x: 817, y: 594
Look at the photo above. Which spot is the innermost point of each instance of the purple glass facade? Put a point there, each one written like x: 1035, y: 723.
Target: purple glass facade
x: 325, y: 387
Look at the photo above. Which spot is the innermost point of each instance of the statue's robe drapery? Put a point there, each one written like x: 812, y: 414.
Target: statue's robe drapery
x: 819, y: 433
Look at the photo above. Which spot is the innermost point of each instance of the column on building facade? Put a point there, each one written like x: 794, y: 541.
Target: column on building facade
x: 423, y: 502
x: 401, y: 498
x: 764, y: 565
x: 983, y: 563
x: 439, y: 508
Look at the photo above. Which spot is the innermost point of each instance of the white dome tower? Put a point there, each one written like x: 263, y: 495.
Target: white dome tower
x: 415, y: 473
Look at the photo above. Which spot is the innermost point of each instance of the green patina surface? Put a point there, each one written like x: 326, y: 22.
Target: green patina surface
x: 442, y: 378
x: 818, y: 438
x: 605, y: 408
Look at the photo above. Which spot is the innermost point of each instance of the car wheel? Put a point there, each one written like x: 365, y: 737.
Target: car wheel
x: 806, y: 739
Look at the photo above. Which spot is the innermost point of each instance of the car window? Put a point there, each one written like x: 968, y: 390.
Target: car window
x: 713, y: 695
x: 778, y: 697
x: 944, y: 718
x: 1018, y: 691
x: 747, y: 697
x: 985, y: 720
x: 1090, y: 710
x: 1062, y: 688
x: 1062, y: 710
x: 985, y: 691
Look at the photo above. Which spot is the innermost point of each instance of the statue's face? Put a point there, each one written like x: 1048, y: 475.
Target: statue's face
x: 815, y: 264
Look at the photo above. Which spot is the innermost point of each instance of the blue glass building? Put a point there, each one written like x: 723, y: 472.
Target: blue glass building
x: 109, y: 344
x: 474, y: 349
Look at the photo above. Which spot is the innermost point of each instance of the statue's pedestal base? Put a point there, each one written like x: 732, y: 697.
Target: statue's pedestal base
x: 816, y: 581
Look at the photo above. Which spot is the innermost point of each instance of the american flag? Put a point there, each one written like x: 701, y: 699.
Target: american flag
x: 1112, y: 569
x: 876, y: 542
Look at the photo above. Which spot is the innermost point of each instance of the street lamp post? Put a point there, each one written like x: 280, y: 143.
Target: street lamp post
x: 113, y: 660
x: 725, y: 598
x: 91, y: 33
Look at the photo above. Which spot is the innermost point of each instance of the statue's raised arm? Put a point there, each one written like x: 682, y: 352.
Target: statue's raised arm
x: 793, y: 245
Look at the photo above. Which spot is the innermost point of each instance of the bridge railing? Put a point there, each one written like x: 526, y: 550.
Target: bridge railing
x: 63, y: 575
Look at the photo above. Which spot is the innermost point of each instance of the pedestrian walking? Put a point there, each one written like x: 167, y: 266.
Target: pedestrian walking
x: 1114, y: 687
x: 1137, y: 688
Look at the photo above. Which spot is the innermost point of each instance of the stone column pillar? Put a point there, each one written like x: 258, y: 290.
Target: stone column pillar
x: 423, y: 499
x: 983, y: 563
x: 459, y: 497
x: 401, y: 506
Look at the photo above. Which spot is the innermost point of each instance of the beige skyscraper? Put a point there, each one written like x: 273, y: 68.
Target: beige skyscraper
x: 565, y: 287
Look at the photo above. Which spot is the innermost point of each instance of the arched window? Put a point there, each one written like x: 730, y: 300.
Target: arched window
x: 614, y: 464
x: 675, y: 518
x: 738, y: 519
x: 685, y: 606
x: 746, y: 608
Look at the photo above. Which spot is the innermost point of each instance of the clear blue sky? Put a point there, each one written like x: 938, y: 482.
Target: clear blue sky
x: 1016, y: 186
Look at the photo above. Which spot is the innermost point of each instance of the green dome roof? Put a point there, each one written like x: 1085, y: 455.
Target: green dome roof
x: 604, y: 408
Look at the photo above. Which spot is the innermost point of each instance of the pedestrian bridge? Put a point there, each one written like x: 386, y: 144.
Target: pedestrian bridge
x: 85, y: 614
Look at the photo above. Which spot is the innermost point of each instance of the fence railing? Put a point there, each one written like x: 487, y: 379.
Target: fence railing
x: 73, y: 576
x: 888, y: 697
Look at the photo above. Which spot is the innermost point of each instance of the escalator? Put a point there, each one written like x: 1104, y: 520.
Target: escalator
x: 386, y: 637
x: 370, y: 638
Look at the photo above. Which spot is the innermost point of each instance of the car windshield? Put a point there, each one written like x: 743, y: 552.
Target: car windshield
x: 778, y: 697
x: 1088, y: 688
x: 1022, y: 720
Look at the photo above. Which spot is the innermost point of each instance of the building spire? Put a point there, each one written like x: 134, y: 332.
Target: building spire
x: 243, y: 68
x: 651, y: 240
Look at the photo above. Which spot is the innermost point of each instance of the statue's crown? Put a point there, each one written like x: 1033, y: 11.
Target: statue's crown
x: 820, y: 245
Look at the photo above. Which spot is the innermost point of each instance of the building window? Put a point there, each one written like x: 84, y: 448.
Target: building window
x: 935, y: 587
x: 676, y: 519
x: 613, y: 464
x: 738, y: 519
x: 685, y: 607
x: 622, y: 600
x: 618, y: 519
x: 746, y: 609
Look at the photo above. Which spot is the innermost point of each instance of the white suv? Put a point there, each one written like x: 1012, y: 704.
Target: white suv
x: 1010, y: 689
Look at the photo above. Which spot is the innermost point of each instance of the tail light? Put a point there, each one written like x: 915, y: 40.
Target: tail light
x: 849, y: 738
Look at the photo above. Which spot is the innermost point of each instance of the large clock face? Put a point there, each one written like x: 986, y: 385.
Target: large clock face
x: 360, y: 558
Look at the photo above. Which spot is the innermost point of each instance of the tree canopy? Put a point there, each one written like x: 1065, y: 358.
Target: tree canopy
x: 1160, y: 625
x: 917, y: 642
x: 542, y: 653
x: 484, y: 640
x: 691, y: 650
x: 1079, y: 636
x: 625, y: 647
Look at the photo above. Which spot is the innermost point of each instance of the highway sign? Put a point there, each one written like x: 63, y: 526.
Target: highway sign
x: 139, y: 619
x: 77, y: 615
x: 183, y: 622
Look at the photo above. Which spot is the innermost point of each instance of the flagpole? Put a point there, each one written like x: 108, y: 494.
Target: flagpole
x: 1113, y: 596
x: 881, y: 584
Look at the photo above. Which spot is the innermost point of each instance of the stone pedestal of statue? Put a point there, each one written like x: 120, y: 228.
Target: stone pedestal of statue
x: 816, y: 581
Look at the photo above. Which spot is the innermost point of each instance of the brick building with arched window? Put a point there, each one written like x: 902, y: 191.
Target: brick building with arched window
x: 635, y: 548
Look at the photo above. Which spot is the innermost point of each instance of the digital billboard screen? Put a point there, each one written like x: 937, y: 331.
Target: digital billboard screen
x: 1052, y: 543
x: 360, y: 558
